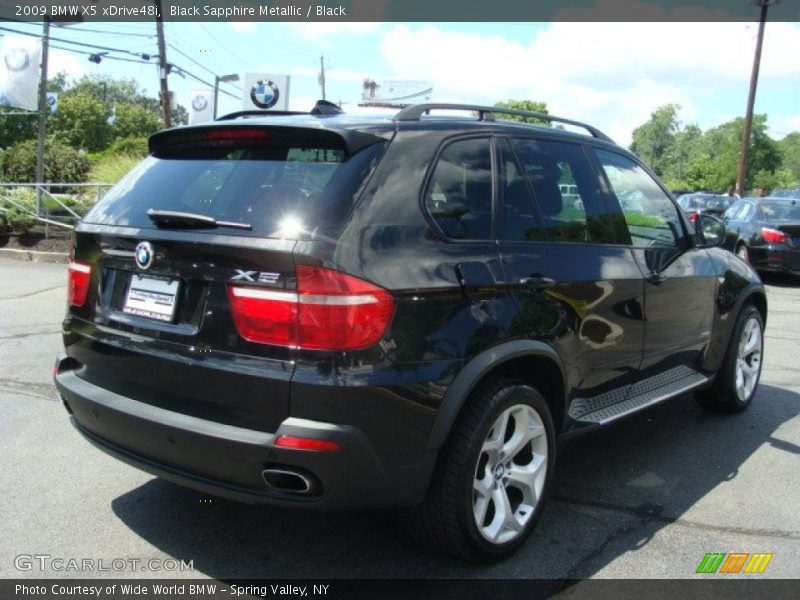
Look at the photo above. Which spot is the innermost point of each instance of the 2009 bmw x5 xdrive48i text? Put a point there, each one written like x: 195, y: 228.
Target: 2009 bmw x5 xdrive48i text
x: 332, y: 311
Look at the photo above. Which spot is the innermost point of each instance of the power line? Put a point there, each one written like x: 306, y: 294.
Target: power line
x: 82, y: 44
x: 85, y: 30
x: 105, y: 57
x: 225, y: 47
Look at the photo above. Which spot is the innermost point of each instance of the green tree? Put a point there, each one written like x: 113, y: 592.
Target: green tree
x: 528, y: 105
x: 125, y: 91
x: 790, y: 153
x: 134, y: 121
x: 684, y: 150
x: 722, y: 145
x: 61, y: 163
x: 654, y: 140
x: 82, y: 122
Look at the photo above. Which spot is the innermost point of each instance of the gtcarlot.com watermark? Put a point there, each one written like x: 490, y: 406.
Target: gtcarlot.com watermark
x: 61, y: 564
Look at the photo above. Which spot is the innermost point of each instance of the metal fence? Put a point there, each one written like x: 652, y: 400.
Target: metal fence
x: 64, y: 215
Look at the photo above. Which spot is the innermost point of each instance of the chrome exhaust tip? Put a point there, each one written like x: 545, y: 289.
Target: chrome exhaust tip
x: 290, y: 481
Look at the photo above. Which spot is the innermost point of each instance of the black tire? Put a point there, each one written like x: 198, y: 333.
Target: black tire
x: 445, y: 520
x: 724, y: 395
x: 743, y: 253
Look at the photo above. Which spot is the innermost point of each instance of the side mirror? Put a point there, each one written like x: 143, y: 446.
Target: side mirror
x: 709, y: 231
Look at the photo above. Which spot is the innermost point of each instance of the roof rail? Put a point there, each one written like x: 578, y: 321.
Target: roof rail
x: 485, y: 113
x: 322, y: 108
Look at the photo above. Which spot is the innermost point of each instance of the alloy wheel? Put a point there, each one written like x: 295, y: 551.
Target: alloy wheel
x: 748, y: 359
x: 510, y: 474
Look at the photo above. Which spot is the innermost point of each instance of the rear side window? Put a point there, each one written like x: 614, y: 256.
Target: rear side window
x: 283, y: 186
x: 459, y: 194
x: 564, y: 191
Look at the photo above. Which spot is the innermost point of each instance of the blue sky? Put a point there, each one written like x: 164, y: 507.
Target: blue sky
x: 611, y: 75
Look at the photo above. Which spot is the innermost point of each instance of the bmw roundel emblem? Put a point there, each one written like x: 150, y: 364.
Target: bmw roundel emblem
x: 199, y: 103
x: 265, y: 94
x: 144, y: 255
x: 17, y: 59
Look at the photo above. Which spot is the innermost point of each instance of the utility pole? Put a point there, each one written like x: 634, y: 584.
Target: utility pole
x: 162, y: 65
x: 322, y: 75
x: 42, y: 116
x: 751, y: 98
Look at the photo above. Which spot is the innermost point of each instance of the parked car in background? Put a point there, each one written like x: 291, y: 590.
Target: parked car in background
x: 793, y: 193
x: 703, y: 203
x: 765, y: 232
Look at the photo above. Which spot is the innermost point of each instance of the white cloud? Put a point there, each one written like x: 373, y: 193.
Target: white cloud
x: 242, y: 26
x: 318, y: 30
x: 612, y: 75
x: 73, y: 65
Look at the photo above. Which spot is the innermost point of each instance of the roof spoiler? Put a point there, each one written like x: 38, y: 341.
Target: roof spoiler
x: 486, y: 113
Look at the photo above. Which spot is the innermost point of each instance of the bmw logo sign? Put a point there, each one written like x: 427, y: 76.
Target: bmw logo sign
x: 144, y: 255
x: 199, y: 103
x: 265, y: 94
x: 17, y: 59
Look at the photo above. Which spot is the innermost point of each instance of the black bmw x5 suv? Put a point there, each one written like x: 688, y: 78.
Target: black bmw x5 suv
x: 347, y: 312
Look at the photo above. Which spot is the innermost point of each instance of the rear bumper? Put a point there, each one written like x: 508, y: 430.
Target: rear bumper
x: 776, y: 259
x: 228, y: 461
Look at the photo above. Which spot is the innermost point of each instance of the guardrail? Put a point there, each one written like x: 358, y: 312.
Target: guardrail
x: 41, y: 210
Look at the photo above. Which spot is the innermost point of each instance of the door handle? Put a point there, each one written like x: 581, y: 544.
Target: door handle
x: 536, y: 282
x: 656, y: 278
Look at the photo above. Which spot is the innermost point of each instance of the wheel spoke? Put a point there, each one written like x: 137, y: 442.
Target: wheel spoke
x: 526, y: 477
x: 494, y: 441
x: 524, y: 431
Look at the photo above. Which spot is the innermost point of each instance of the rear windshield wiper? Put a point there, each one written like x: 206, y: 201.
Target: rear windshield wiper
x: 176, y: 220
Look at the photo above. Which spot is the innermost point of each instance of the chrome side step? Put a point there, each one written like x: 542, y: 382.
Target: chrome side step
x: 608, y: 407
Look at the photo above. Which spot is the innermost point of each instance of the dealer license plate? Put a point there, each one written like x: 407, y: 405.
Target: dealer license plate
x: 151, y: 298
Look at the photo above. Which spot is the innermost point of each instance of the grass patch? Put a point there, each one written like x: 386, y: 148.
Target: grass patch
x: 110, y: 169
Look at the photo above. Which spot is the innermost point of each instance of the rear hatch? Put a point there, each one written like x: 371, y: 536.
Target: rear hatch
x: 212, y: 208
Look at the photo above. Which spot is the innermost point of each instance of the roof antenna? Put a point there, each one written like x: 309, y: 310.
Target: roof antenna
x: 323, y: 108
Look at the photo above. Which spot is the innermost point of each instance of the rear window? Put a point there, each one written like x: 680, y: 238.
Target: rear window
x: 281, y: 187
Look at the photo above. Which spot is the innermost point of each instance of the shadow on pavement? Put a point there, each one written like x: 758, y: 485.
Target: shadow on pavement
x: 641, y: 474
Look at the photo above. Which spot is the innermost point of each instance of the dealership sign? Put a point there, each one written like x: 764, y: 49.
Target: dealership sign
x: 265, y: 91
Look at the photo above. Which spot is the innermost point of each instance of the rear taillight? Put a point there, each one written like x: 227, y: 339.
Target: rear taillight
x: 78, y: 284
x: 773, y: 236
x: 692, y: 217
x: 329, y: 311
x: 302, y: 443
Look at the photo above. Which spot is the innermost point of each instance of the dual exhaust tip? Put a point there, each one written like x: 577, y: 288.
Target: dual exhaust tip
x: 290, y: 481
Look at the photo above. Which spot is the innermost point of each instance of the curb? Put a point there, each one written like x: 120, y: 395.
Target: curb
x: 34, y: 255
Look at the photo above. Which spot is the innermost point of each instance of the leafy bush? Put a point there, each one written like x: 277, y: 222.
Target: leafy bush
x: 61, y: 163
x: 128, y: 146
x: 16, y: 217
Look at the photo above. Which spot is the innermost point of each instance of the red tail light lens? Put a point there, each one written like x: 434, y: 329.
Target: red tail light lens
x: 236, y: 134
x: 78, y: 283
x: 329, y: 311
x: 773, y: 236
x: 301, y: 443
x: 692, y: 216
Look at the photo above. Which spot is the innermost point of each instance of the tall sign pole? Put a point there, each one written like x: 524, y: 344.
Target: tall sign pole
x: 42, y: 116
x: 162, y: 66
x: 741, y: 175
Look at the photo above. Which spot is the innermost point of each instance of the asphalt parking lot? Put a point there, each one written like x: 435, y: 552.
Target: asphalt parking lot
x: 645, y: 498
